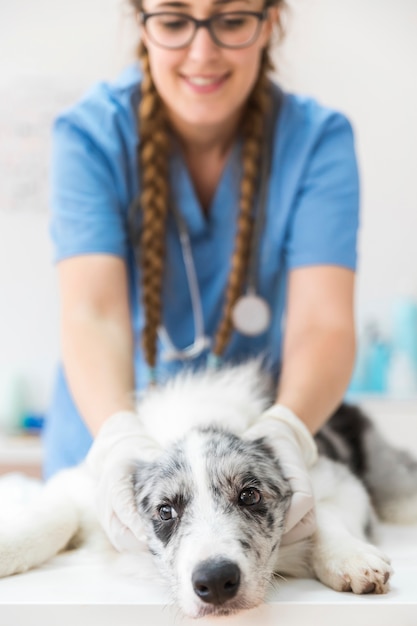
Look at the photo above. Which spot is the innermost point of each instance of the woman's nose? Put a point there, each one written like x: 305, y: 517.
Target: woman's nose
x: 203, y: 46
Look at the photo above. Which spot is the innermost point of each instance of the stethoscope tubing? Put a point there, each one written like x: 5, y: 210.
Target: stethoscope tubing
x: 201, y: 341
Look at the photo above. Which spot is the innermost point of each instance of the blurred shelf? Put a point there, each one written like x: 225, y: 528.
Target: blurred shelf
x: 21, y: 453
x: 21, y: 449
x: 379, y: 398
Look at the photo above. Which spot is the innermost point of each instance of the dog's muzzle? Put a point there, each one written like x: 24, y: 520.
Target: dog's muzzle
x: 215, y: 581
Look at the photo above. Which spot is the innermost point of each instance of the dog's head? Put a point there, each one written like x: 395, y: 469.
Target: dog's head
x: 214, y: 507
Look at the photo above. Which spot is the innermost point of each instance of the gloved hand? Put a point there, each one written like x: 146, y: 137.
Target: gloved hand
x: 297, y: 452
x: 120, y: 442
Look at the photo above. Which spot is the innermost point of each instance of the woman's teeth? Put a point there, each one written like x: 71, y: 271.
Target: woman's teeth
x: 202, y: 80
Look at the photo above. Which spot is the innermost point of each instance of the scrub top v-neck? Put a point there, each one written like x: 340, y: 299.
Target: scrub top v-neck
x: 211, y: 235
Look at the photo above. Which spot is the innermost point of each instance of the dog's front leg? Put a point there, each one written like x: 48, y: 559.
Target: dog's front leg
x: 342, y: 557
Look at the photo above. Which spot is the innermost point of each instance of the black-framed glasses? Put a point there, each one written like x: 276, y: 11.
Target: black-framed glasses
x: 237, y: 29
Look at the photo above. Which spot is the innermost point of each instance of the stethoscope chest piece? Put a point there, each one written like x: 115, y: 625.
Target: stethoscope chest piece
x: 251, y: 314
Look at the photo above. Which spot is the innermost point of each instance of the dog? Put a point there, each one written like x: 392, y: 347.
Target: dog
x: 213, y: 505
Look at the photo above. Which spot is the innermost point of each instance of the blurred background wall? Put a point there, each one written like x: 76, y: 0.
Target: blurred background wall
x: 356, y: 55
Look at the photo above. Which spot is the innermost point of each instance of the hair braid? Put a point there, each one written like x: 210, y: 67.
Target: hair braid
x: 154, y: 172
x: 253, y: 136
x: 153, y: 160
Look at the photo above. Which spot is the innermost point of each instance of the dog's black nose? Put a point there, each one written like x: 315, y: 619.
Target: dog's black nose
x: 216, y: 581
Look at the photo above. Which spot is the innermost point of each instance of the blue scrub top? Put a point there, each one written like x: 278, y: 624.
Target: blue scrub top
x: 311, y: 218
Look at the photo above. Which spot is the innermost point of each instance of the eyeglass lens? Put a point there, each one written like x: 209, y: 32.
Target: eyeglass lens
x: 174, y: 30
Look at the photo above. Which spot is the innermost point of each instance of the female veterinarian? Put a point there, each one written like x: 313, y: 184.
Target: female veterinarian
x: 194, y: 202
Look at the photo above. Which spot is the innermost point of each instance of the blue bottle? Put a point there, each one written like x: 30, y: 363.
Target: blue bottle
x: 404, y: 328
x: 378, y: 365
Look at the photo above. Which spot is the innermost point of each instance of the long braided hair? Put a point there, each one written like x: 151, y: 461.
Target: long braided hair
x: 153, y: 158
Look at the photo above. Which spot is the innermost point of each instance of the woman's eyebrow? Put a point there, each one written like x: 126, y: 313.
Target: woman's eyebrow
x: 185, y: 5
x: 172, y: 5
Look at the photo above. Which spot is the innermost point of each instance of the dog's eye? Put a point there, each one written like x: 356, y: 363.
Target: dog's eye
x: 167, y: 513
x: 249, y: 497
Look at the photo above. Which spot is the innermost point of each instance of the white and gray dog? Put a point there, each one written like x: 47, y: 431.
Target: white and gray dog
x: 214, y: 502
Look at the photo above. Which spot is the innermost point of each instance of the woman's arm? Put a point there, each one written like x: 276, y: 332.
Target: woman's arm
x: 96, y: 335
x: 97, y: 345
x: 319, y: 342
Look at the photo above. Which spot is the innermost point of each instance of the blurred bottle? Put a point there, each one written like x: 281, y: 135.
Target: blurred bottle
x: 372, y: 362
x: 402, y: 378
x: 360, y: 377
x: 13, y: 402
x: 404, y: 331
x: 379, y: 359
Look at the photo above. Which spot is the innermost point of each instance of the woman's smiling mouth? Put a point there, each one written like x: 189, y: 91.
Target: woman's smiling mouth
x: 204, y: 83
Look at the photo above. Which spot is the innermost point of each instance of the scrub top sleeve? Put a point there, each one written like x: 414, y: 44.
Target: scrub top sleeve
x: 87, y: 216
x: 324, y: 221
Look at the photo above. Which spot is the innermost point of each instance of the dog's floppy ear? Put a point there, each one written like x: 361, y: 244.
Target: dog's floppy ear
x: 142, y: 480
x: 134, y: 538
x: 296, y: 452
x: 269, y: 448
x: 286, y: 434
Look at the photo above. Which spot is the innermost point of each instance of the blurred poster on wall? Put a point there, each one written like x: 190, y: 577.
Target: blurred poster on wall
x: 28, y: 106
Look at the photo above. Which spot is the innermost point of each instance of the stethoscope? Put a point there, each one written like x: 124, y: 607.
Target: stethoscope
x: 201, y: 341
x: 251, y: 314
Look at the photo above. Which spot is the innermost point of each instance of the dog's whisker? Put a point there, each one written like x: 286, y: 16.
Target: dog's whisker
x: 280, y: 576
x: 272, y: 581
x: 177, y: 614
x: 274, y: 584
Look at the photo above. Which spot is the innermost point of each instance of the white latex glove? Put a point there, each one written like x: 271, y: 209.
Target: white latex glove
x: 297, y: 452
x: 120, y: 442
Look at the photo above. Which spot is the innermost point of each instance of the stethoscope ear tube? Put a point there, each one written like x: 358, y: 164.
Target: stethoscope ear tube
x: 251, y: 314
x: 171, y: 353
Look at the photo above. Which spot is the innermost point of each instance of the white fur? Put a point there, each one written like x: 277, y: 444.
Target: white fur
x: 338, y: 554
x: 342, y: 557
x: 231, y: 398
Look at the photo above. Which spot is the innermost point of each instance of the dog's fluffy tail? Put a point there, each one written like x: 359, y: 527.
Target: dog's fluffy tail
x: 40, y: 530
x: 389, y: 474
x: 391, y: 478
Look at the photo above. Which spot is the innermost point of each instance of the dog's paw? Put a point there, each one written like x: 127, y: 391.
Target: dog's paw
x: 359, y: 567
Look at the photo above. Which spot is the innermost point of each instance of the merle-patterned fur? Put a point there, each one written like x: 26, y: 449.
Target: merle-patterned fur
x: 389, y: 474
x: 342, y: 438
x: 232, y: 467
x: 213, y: 500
